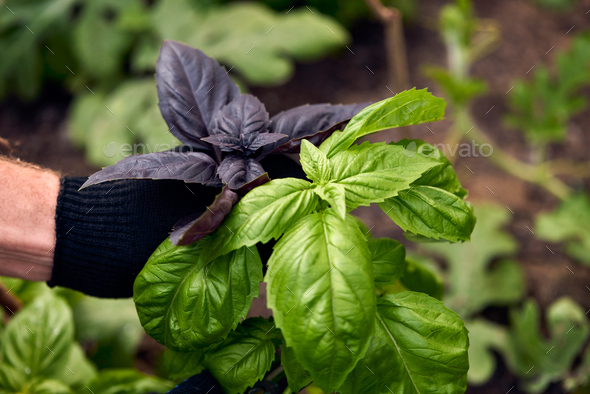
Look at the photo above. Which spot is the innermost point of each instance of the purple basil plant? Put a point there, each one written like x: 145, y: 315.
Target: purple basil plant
x: 228, y: 134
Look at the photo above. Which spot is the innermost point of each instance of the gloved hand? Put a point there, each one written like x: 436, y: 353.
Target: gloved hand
x: 106, y: 233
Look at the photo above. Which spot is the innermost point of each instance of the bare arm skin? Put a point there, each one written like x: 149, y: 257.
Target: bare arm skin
x: 28, y: 198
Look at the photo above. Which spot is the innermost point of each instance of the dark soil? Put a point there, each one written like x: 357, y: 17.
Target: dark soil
x: 38, y: 130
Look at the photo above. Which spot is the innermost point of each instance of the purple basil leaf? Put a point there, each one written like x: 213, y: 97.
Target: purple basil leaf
x: 307, y: 120
x: 248, y: 145
x: 244, y: 115
x: 225, y: 142
x: 195, y: 227
x: 294, y: 145
x: 255, y: 141
x: 192, y: 167
x: 261, y: 180
x: 192, y: 88
x: 236, y: 171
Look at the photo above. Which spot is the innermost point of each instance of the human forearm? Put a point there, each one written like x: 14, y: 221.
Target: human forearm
x: 28, y: 198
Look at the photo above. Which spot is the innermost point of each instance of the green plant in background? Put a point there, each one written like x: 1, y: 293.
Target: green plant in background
x: 39, y: 352
x: 46, y: 323
x: 101, y: 37
x: 70, y: 42
x: 466, y: 40
x: 538, y: 361
x: 541, y: 109
x: 335, y: 314
x: 134, y: 126
x: 27, y: 63
x: 104, y: 51
x: 568, y: 224
x: 112, y: 326
x: 259, y: 48
x: 474, y: 283
x: 260, y: 56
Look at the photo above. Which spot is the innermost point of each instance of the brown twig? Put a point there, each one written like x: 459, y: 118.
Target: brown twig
x: 10, y: 303
x: 568, y: 167
x: 538, y: 175
x: 5, y: 145
x: 397, y: 62
x: 391, y: 18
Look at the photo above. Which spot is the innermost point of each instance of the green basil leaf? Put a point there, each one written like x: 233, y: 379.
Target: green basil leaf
x: 424, y: 343
x: 297, y: 376
x: 431, y: 212
x: 362, y: 226
x: 81, y: 370
x: 244, y: 357
x: 178, y: 366
x: 335, y: 195
x: 406, y: 108
x: 421, y: 275
x: 339, y: 140
x: 263, y: 214
x: 374, y: 172
x: 314, y: 162
x: 443, y: 176
x: 127, y: 381
x: 186, y: 302
x: 47, y: 387
x: 389, y: 260
x: 320, y: 288
x: 36, y: 342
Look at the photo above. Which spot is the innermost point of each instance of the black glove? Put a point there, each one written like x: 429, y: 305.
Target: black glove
x: 205, y: 383
x: 106, y: 232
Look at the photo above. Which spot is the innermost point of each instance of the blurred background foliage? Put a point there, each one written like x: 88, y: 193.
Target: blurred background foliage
x: 103, y: 52
x: 63, y: 342
x: 484, y: 274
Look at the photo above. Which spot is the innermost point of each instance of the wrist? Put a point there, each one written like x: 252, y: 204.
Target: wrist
x: 27, y: 221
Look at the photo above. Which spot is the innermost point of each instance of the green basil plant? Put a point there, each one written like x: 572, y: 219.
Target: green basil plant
x: 341, y: 319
